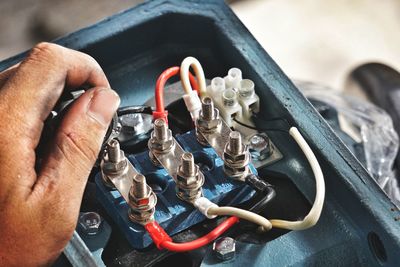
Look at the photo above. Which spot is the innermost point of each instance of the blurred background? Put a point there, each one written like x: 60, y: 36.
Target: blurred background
x: 318, y: 41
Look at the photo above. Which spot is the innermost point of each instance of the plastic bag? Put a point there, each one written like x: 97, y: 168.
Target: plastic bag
x: 372, y: 125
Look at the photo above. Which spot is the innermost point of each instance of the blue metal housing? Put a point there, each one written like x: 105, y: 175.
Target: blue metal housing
x: 359, y: 225
x: 173, y: 214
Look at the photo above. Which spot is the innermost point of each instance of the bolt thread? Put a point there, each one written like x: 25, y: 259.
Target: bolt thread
x: 114, y: 151
x: 187, y: 163
x: 139, y: 186
x: 160, y: 129
x: 235, y: 142
x: 207, y: 107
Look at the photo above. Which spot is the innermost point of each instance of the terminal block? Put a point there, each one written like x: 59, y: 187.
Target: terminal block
x: 235, y: 97
x: 171, y: 212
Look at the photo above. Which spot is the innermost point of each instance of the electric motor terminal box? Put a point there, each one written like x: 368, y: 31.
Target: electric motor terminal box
x: 173, y: 214
x: 359, y: 224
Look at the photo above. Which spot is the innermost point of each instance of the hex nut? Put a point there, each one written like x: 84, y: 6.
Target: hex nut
x: 90, y: 222
x: 209, y: 125
x: 189, y: 195
x: 189, y: 188
x: 141, y: 217
x: 185, y: 180
x: 161, y: 146
x: 109, y: 167
x: 235, y: 158
x: 143, y: 203
x: 224, y: 248
x: 260, y: 146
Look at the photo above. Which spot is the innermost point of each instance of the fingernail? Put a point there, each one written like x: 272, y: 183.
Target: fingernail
x: 103, y: 105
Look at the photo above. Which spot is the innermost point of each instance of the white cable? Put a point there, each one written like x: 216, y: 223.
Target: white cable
x: 203, y: 205
x: 198, y: 70
x: 313, y: 216
x: 243, y: 214
x: 210, y: 209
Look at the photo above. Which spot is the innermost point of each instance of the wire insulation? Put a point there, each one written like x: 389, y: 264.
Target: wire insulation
x: 313, y: 216
x: 243, y: 214
x: 162, y: 240
x: 199, y: 72
x: 160, y: 111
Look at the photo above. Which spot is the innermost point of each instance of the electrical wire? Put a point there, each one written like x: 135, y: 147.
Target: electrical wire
x: 135, y: 110
x: 163, y: 241
x: 159, y: 90
x: 243, y: 214
x: 199, y: 72
x: 266, y: 197
x: 313, y: 216
x: 276, y: 124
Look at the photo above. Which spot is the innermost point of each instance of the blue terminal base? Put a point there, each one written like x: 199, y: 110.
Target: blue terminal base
x: 173, y: 214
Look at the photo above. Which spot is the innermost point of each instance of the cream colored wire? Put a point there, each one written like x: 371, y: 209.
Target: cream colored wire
x: 198, y: 70
x: 243, y: 214
x: 312, y: 217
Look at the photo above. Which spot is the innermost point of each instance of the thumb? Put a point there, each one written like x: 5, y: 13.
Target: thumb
x: 76, y: 146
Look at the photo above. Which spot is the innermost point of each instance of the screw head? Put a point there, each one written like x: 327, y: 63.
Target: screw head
x: 258, y: 141
x: 224, y: 248
x: 260, y: 146
x: 90, y: 222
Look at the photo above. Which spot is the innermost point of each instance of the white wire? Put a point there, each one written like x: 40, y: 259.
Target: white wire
x: 198, y: 70
x: 243, y: 214
x: 313, y: 216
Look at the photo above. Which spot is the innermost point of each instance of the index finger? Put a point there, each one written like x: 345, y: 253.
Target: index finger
x: 37, y: 84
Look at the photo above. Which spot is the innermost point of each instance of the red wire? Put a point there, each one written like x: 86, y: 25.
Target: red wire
x: 162, y: 240
x: 159, y: 92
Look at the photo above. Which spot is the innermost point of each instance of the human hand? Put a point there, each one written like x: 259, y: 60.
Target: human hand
x: 39, y: 209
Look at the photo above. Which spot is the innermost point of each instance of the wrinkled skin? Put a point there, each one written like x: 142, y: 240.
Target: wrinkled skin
x: 39, y: 209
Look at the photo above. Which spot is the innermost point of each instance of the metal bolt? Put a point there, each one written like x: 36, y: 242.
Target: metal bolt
x: 224, y: 248
x: 160, y: 129
x: 90, y: 222
x: 142, y: 200
x: 258, y: 141
x: 207, y: 107
x: 114, y: 151
x: 260, y: 146
x: 235, y: 142
x: 187, y: 163
x: 139, y: 187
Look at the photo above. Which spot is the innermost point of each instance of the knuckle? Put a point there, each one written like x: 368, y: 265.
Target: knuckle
x: 45, y: 52
x: 45, y: 47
